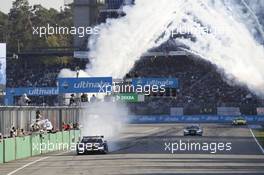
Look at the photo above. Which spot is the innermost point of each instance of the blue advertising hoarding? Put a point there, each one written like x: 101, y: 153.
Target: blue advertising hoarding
x: 167, y: 82
x: 147, y: 119
x: 30, y: 91
x: 85, y: 85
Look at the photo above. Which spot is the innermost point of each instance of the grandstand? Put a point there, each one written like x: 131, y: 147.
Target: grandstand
x: 201, y: 90
x: 39, y: 72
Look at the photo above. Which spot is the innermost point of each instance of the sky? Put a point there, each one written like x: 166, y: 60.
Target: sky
x: 7, y: 4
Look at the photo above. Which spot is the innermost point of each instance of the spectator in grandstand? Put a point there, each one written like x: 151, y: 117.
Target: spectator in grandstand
x: 72, y: 100
x: 24, y: 100
x: 84, y: 98
x: 93, y: 99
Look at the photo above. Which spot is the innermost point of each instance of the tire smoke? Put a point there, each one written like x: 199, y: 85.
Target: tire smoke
x: 104, y: 119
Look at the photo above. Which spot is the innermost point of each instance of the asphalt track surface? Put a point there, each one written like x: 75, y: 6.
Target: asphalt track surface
x: 141, y: 150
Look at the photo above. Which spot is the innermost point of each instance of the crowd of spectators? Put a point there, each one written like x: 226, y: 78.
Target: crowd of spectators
x: 32, y: 72
x: 201, y: 85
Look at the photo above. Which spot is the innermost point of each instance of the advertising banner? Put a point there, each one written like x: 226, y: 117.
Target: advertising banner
x: 30, y: 91
x: 193, y: 119
x: 167, y: 82
x: 85, y: 85
x: 127, y: 97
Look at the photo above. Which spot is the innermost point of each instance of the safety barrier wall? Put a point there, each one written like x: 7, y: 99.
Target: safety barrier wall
x: 23, y: 117
x: 36, y: 144
x: 77, y: 135
x: 1, y: 151
x: 23, y: 147
x: 65, y: 137
x: 59, y: 138
x: 9, y: 149
x: 191, y: 118
x: 72, y: 136
x: 44, y: 143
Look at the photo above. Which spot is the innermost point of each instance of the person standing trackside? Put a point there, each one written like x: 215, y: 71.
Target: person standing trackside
x: 84, y: 98
x: 93, y: 99
x: 38, y: 116
x: 24, y: 100
x: 72, y: 100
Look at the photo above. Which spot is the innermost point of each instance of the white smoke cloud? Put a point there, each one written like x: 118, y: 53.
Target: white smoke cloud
x: 104, y: 119
x: 67, y: 73
x: 121, y: 42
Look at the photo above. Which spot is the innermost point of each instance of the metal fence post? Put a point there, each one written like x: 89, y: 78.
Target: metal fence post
x: 60, y: 119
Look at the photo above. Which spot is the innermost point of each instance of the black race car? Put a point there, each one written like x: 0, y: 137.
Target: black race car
x: 193, y: 130
x: 90, y: 144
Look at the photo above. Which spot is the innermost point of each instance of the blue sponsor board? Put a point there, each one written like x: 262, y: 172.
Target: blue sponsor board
x: 30, y: 91
x: 167, y: 82
x: 192, y: 119
x: 33, y: 91
x: 85, y: 85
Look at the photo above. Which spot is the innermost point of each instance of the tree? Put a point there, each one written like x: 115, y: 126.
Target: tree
x: 23, y: 17
x: 19, y: 26
x: 3, y: 27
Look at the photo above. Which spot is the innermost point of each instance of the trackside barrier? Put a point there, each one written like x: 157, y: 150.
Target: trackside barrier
x: 191, y: 119
x: 1, y: 151
x: 72, y: 137
x: 44, y: 143
x: 23, y: 147
x: 35, y: 144
x: 59, y: 138
x: 9, y: 149
x: 66, y: 137
x: 52, y: 142
x: 77, y: 135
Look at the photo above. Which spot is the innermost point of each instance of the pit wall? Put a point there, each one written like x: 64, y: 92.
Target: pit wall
x: 36, y: 144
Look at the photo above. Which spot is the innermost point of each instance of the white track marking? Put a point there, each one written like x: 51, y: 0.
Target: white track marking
x: 28, y: 164
x: 262, y: 150
x: 31, y: 163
